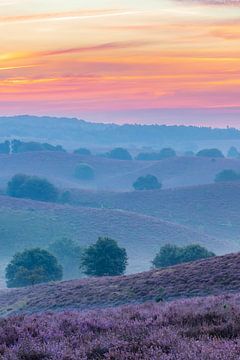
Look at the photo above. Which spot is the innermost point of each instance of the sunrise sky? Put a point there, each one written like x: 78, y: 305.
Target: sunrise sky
x: 154, y: 61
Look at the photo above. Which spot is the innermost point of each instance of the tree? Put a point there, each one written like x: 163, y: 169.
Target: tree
x: 213, y: 153
x: 170, y: 255
x: 148, y: 182
x: 84, y: 172
x: 227, y: 175
x: 83, y: 152
x: 104, y: 258
x: 68, y: 254
x: 32, y: 267
x: 151, y: 156
x: 167, y: 153
x: 233, y: 152
x: 32, y: 187
x: 119, y: 154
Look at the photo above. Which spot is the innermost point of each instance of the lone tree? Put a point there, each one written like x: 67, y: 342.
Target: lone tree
x: 170, y: 255
x: 119, y: 154
x: 83, y: 152
x: 148, y: 182
x: 213, y: 153
x: 32, y: 267
x: 32, y: 187
x: 68, y: 254
x: 84, y: 172
x: 227, y: 175
x: 167, y: 153
x: 104, y: 258
x: 233, y: 152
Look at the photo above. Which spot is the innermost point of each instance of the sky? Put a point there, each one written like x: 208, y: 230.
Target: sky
x: 154, y: 61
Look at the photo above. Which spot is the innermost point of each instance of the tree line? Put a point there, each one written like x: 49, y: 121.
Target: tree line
x: 103, y: 258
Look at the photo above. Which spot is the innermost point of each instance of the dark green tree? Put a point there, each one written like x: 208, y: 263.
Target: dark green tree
x: 104, y: 258
x: 68, y: 254
x: 148, y: 182
x: 233, y: 152
x: 32, y: 187
x: 84, y: 172
x: 83, y: 152
x: 170, y: 255
x: 119, y: 154
x: 227, y: 175
x: 167, y: 153
x: 32, y: 267
x: 213, y: 153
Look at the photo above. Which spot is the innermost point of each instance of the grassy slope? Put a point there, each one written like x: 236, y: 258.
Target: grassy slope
x: 214, y: 209
x: 218, y: 275
x: 113, y: 174
x: 25, y: 223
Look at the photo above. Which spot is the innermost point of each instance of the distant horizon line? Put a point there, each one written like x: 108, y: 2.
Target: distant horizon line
x: 62, y: 117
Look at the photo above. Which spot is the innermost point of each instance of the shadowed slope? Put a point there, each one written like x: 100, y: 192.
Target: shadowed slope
x: 26, y: 223
x: 214, y: 209
x: 112, y: 174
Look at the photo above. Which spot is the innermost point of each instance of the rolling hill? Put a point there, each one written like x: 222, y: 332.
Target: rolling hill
x: 215, y: 276
x: 26, y: 223
x: 112, y: 174
x: 213, y: 209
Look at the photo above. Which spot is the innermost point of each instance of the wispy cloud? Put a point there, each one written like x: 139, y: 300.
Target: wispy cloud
x: 77, y: 15
x: 213, y: 2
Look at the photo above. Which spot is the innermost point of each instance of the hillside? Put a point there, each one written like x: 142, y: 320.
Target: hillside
x: 72, y: 130
x: 219, y: 275
x: 111, y: 174
x: 26, y: 223
x: 213, y: 209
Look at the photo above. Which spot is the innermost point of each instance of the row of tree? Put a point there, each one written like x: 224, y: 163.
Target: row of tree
x: 104, y: 258
x: 119, y: 153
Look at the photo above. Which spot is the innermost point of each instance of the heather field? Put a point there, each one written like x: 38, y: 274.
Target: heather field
x: 214, y: 276
x: 201, y: 329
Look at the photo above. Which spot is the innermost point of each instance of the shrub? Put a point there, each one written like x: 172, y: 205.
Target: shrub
x: 227, y: 175
x: 84, y: 172
x: 31, y: 267
x: 32, y: 187
x: 163, y: 154
x: 148, y: 182
x: 119, y: 154
x: 170, y: 255
x: 213, y: 153
x: 68, y: 254
x: 233, y: 152
x: 104, y: 258
x: 82, y: 151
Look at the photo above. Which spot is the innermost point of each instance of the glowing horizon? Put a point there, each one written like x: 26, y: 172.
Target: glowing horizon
x: 122, y: 63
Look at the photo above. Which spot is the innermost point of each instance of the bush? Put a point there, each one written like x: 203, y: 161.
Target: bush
x: 170, y: 255
x: 233, y: 152
x: 148, y: 182
x: 213, y: 153
x: 227, y: 175
x: 104, y: 258
x: 83, y: 151
x: 119, y: 154
x: 19, y: 146
x: 32, y: 187
x: 84, y: 172
x: 68, y: 254
x: 31, y: 267
x: 163, y: 154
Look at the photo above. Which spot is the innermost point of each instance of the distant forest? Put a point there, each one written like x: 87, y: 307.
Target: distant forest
x: 65, y: 129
